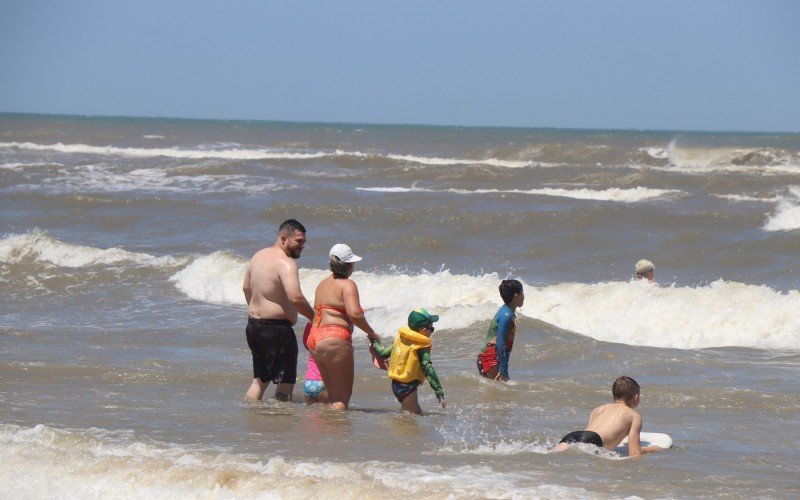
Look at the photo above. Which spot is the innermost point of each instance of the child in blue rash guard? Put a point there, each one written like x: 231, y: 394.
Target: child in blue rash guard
x: 410, y: 362
x: 493, y: 359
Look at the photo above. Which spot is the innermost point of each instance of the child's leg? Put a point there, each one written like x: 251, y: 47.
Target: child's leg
x: 411, y: 404
x: 323, y: 397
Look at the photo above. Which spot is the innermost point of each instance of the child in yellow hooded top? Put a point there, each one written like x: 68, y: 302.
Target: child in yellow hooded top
x: 410, y: 362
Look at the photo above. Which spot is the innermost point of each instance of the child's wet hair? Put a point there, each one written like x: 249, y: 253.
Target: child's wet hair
x: 509, y: 288
x: 625, y: 388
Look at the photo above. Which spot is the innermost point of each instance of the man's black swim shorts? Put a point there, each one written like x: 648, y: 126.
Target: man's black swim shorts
x: 274, y: 348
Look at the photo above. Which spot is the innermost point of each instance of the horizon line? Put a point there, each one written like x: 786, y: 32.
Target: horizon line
x: 388, y: 124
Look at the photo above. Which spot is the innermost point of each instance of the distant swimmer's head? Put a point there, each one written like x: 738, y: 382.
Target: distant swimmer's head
x: 420, y: 320
x: 627, y: 390
x: 292, y: 237
x: 511, y: 293
x: 644, y: 270
x: 342, y: 260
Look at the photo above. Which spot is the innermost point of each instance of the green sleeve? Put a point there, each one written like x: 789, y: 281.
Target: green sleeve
x: 383, y: 352
x: 430, y: 373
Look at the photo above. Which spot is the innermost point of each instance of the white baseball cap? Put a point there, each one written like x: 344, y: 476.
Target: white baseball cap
x: 344, y: 252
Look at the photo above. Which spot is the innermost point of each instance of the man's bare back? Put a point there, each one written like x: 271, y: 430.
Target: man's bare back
x: 267, y: 273
x: 272, y: 284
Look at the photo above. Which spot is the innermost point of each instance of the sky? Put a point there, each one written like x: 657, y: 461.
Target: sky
x: 678, y: 65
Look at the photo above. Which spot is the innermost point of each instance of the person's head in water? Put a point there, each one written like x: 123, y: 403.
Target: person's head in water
x: 292, y: 238
x: 644, y: 270
x: 421, y: 321
x: 511, y: 293
x: 342, y: 260
x: 626, y: 390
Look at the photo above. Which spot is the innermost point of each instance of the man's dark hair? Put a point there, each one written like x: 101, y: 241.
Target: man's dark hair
x: 509, y: 288
x: 624, y: 388
x: 290, y: 226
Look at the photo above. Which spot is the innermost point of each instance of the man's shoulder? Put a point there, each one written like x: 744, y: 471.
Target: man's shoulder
x: 264, y: 253
x: 272, y: 255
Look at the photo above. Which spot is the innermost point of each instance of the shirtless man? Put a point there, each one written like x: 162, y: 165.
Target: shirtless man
x: 272, y: 291
x: 611, y: 423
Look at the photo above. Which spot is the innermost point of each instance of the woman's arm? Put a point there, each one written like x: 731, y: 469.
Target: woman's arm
x: 352, y: 305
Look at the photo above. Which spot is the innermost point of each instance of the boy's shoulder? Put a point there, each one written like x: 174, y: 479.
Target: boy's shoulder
x: 504, y: 311
x: 616, y: 409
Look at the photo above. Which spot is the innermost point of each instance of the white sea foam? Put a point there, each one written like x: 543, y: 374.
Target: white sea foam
x: 787, y: 212
x: 720, y: 314
x: 495, y: 449
x: 637, y: 313
x: 461, y: 299
x: 746, y: 198
x: 658, y: 153
x: 102, y: 178
x: 716, y: 315
x: 455, y: 161
x: 41, y: 247
x: 43, y: 462
x: 22, y: 166
x: 153, y: 136
x: 703, y: 160
x: 215, y: 278
x: 237, y: 153
x: 631, y: 195
x: 225, y: 154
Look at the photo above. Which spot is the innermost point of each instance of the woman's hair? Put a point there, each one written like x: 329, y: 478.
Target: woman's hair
x: 340, y: 269
x: 509, y: 288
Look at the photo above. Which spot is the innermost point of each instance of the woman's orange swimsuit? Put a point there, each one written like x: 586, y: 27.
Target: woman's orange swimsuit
x: 320, y: 332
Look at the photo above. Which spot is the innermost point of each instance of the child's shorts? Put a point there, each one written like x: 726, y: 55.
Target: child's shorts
x: 487, y: 360
x: 402, y: 390
x: 313, y: 388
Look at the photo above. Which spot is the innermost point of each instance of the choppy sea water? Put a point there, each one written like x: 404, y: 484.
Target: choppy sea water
x: 123, y: 360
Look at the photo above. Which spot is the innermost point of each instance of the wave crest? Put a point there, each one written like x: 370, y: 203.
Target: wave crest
x: 40, y: 247
x: 622, y: 195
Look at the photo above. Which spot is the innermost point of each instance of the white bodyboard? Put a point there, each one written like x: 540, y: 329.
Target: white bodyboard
x: 646, y: 439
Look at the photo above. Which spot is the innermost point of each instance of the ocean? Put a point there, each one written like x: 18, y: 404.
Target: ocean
x: 123, y: 367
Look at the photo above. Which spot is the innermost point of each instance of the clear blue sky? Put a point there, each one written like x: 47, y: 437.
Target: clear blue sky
x: 686, y: 65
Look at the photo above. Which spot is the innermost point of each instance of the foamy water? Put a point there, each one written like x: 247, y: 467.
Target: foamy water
x: 612, y: 194
x: 43, y: 248
x: 250, y: 154
x: 716, y: 315
x: 44, y: 461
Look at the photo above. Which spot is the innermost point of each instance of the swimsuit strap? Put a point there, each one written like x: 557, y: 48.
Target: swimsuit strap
x: 320, y: 307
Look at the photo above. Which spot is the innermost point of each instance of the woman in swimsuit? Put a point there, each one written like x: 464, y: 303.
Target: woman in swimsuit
x: 338, y: 309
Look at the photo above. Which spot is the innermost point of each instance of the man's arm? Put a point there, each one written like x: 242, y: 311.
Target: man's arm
x: 430, y: 374
x: 291, y: 286
x: 504, y: 323
x: 248, y: 292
